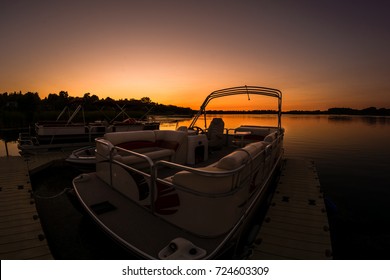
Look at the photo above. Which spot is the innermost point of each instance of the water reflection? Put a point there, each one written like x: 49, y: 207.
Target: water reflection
x: 340, y: 118
x: 376, y: 120
x: 8, y: 143
x: 10, y: 147
x: 369, y: 120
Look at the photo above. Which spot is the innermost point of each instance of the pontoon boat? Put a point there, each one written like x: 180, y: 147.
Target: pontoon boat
x: 189, y: 193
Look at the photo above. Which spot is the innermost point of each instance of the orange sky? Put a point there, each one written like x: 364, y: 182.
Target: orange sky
x: 177, y: 52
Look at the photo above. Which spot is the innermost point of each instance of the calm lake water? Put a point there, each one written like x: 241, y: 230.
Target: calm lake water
x: 352, y: 156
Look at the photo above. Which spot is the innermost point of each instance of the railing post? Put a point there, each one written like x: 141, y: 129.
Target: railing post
x: 153, y: 177
x: 110, y: 160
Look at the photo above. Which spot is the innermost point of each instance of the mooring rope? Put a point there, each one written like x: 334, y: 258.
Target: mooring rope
x: 53, y: 196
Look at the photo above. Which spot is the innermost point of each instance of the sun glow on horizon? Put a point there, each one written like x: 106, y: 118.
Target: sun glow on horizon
x: 178, y: 52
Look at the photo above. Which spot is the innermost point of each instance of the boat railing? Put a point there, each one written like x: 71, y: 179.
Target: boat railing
x: 240, y: 177
x: 151, y: 174
x: 202, y: 194
x: 256, y: 164
x: 113, y: 150
x: 234, y: 173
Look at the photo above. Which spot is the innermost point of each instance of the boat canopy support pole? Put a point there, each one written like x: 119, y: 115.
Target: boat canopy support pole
x: 247, y: 90
x: 74, y: 114
x: 62, y: 112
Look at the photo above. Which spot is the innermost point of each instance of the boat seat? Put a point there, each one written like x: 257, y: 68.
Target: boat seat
x: 215, y: 133
x: 270, y: 137
x: 217, y: 194
x: 202, y: 183
x: 158, y: 144
x: 221, y: 183
x: 240, y: 156
x: 153, y: 153
x: 116, y: 138
x: 212, y: 184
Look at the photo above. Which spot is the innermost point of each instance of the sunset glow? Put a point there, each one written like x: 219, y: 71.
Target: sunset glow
x: 177, y: 52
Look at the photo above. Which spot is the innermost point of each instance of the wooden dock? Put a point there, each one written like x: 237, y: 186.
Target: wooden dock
x: 21, y: 234
x: 296, y: 224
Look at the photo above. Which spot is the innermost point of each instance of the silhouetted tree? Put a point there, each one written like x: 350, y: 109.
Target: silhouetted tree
x: 146, y: 100
x: 29, y: 102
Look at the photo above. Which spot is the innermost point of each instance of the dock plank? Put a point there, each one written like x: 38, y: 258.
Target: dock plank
x: 296, y: 224
x: 37, y: 252
x: 21, y: 234
x: 11, y: 220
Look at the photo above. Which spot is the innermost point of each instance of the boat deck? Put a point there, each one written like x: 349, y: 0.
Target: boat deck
x: 21, y: 234
x: 296, y: 223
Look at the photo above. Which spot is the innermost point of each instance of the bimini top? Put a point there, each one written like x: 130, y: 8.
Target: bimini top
x: 248, y: 90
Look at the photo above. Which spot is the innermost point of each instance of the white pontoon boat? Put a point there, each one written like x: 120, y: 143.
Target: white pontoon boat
x: 52, y: 135
x: 189, y: 193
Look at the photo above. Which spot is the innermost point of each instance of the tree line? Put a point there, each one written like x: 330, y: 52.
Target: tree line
x: 19, y: 109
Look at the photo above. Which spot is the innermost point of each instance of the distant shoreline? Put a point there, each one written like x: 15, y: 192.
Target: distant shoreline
x: 23, y: 110
x: 22, y: 119
x: 372, y: 111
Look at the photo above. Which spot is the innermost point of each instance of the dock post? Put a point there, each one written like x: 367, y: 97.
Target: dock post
x: 6, y: 148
